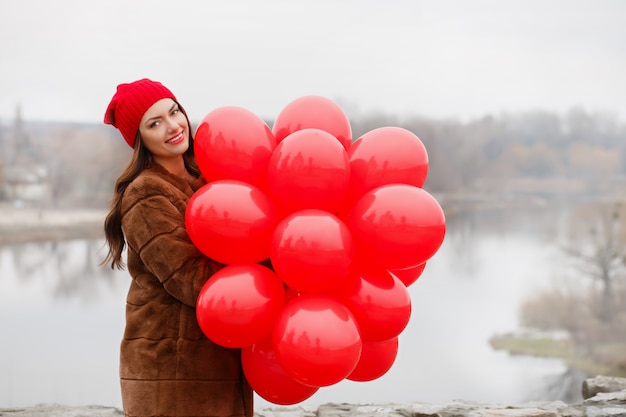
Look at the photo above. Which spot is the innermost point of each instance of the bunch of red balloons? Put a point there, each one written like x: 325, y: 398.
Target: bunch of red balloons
x: 346, y: 228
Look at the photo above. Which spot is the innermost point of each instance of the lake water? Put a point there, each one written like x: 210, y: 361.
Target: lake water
x: 62, y: 317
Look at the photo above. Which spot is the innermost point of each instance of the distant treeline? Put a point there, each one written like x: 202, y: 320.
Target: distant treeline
x: 531, y: 152
x: 523, y: 152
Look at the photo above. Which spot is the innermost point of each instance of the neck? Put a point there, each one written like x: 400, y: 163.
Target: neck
x: 175, y: 166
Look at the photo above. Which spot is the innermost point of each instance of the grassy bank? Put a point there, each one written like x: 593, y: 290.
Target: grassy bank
x: 603, y: 360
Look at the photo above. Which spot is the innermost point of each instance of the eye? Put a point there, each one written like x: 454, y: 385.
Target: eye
x: 154, y: 124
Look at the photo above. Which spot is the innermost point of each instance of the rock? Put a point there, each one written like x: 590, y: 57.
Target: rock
x: 287, y: 412
x: 598, y: 384
x: 608, y: 397
x: 605, y: 412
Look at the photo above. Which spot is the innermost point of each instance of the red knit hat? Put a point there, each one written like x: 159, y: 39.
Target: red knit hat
x: 130, y: 103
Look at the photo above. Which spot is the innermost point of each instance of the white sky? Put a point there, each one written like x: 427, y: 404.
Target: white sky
x: 62, y: 59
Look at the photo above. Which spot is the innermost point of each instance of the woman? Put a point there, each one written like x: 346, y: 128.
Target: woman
x: 167, y: 366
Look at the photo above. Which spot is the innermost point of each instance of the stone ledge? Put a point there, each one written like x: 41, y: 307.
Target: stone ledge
x: 56, y: 410
x: 597, y: 408
x: 603, y: 404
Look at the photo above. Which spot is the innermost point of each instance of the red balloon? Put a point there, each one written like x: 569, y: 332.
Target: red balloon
x: 312, y: 250
x: 313, y: 112
x: 379, y: 301
x: 409, y: 275
x: 291, y: 293
x: 397, y: 226
x: 309, y: 169
x: 231, y: 222
x: 376, y: 359
x: 317, y: 340
x: 238, y: 305
x: 234, y: 143
x: 268, y: 378
x: 386, y: 155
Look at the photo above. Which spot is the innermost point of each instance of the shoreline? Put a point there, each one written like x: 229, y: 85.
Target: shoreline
x: 24, y: 225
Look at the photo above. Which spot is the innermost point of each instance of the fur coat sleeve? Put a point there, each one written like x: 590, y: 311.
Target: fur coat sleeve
x: 153, y: 214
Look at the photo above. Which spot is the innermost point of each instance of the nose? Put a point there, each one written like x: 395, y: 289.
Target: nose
x: 171, y: 123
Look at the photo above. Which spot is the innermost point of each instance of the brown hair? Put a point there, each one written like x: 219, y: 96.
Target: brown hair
x: 140, y: 160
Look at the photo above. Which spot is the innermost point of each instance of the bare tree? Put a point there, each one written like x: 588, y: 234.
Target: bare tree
x: 82, y: 163
x: 597, y: 245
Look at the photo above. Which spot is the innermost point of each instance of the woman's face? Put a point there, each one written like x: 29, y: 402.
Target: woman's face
x: 164, y: 131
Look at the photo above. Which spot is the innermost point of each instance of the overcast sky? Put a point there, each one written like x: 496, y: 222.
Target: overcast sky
x: 62, y: 59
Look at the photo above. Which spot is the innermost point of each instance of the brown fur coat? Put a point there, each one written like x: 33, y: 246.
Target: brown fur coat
x: 167, y: 366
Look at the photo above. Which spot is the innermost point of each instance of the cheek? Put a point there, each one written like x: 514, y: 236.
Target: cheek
x: 149, y: 139
x: 182, y: 120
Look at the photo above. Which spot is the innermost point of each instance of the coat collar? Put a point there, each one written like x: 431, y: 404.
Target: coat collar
x: 181, y: 183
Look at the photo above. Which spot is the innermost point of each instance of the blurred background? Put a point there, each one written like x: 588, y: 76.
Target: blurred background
x: 520, y: 105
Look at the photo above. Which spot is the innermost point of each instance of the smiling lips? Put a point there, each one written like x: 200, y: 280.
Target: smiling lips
x: 176, y: 139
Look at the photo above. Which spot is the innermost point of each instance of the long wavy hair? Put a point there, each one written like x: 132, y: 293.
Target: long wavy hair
x: 140, y: 160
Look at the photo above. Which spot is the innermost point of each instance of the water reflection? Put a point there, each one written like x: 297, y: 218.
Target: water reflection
x: 71, y: 268
x: 62, y: 319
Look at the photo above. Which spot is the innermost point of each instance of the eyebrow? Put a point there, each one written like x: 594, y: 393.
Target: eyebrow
x: 158, y: 117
